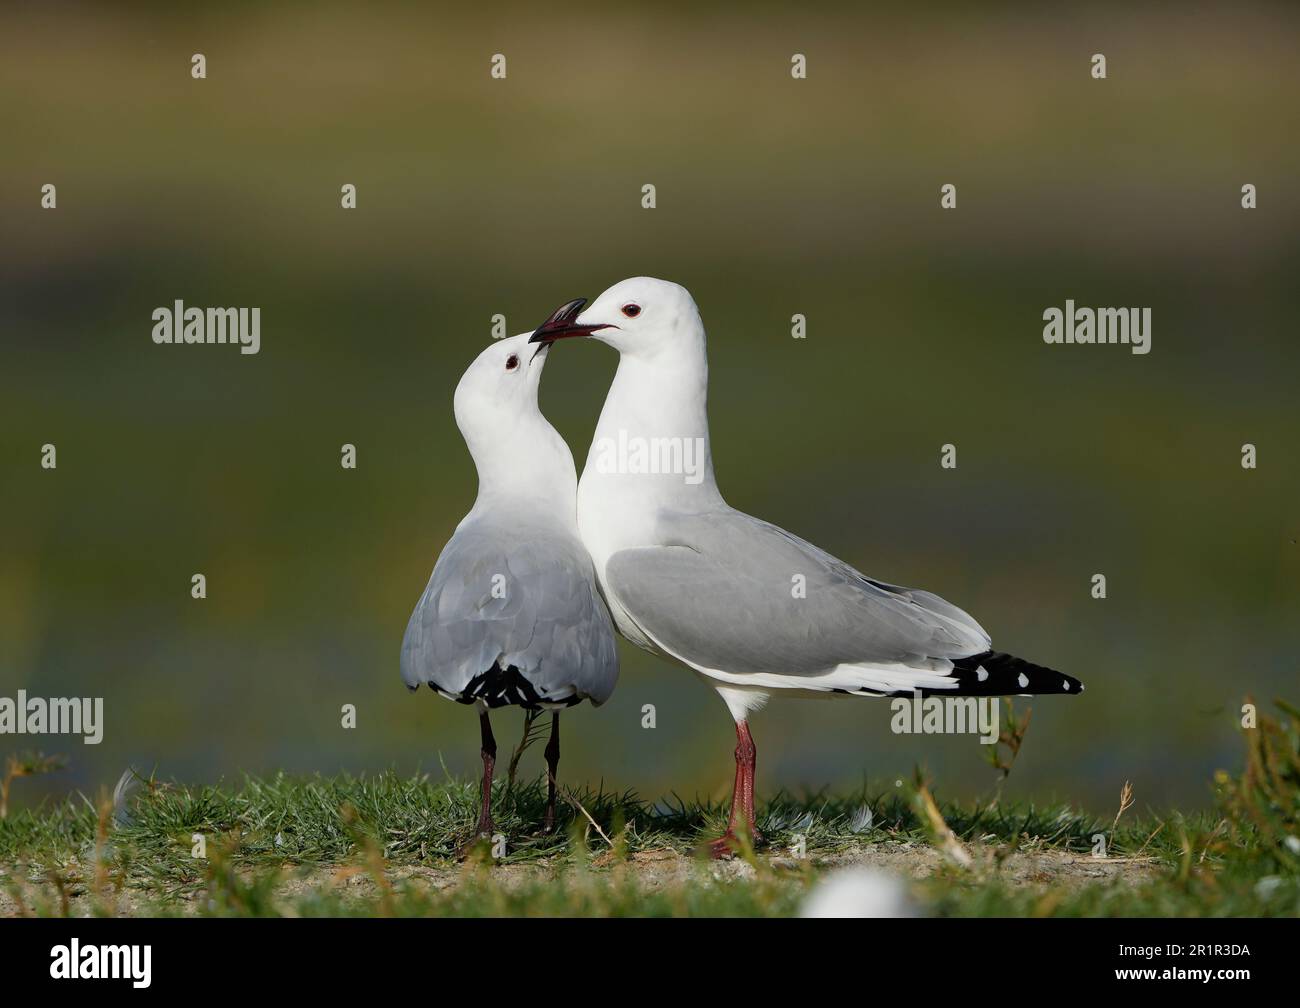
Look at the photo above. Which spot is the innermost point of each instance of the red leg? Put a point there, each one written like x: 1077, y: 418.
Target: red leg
x: 747, y: 762
x: 737, y: 793
x: 742, y: 795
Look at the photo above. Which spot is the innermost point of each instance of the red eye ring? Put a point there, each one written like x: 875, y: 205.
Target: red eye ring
x: 631, y: 309
x: 512, y: 362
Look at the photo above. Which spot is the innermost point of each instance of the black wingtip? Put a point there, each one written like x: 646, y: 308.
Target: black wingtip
x: 995, y: 673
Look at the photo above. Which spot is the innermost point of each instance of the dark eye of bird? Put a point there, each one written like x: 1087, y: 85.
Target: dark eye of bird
x: 512, y: 362
x: 631, y: 310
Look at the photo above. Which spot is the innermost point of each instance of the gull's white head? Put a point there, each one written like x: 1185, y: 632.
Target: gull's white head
x: 497, y: 395
x: 517, y: 453
x: 640, y: 317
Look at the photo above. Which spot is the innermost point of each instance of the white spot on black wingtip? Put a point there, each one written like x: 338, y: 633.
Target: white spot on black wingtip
x: 981, y: 673
x: 1066, y: 683
x: 1023, y: 680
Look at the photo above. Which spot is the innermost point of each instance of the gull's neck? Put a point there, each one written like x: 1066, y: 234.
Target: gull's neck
x: 663, y: 396
x: 526, y: 467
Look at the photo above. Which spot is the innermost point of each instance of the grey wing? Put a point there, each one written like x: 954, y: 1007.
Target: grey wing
x: 522, y: 599
x: 733, y: 593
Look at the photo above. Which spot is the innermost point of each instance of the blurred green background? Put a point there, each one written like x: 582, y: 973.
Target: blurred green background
x: 775, y: 196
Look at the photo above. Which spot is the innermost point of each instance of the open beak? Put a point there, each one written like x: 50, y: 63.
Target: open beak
x: 563, y: 324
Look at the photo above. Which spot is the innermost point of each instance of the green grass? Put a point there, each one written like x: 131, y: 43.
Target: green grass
x: 388, y: 845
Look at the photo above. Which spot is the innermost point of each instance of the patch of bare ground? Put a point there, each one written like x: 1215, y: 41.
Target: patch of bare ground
x: 663, y: 869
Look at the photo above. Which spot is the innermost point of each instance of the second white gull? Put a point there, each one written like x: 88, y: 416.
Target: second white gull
x: 752, y: 608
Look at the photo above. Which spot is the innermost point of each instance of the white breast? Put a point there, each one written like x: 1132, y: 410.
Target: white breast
x: 612, y: 518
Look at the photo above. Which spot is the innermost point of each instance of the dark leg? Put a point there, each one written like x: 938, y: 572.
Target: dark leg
x: 552, y: 763
x: 489, y: 753
x: 742, y: 795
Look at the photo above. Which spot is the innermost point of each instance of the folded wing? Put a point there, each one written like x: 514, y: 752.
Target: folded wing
x: 727, y: 591
x: 520, y: 599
